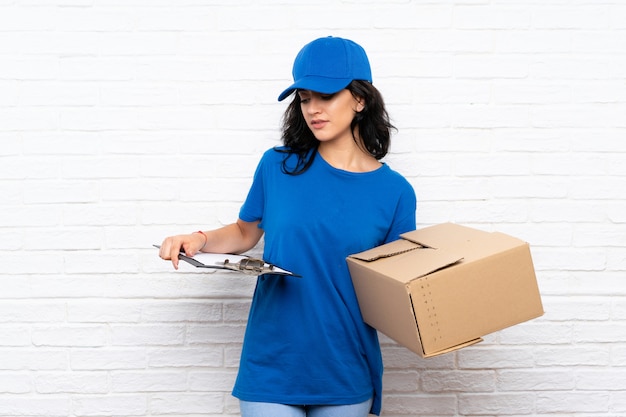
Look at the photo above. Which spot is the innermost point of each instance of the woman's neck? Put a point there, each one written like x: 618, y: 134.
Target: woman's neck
x: 348, y: 157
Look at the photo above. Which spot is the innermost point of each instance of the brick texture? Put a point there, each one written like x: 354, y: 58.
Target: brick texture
x: 123, y: 121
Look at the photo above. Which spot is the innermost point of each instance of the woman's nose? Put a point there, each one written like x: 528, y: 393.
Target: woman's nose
x: 314, y: 106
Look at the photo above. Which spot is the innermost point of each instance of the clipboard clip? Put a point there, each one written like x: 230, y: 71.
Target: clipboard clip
x: 249, y: 266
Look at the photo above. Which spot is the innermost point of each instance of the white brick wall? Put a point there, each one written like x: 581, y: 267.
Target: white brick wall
x: 123, y: 121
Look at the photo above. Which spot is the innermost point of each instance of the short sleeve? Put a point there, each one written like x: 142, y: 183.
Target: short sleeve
x: 404, y: 218
x: 253, y: 206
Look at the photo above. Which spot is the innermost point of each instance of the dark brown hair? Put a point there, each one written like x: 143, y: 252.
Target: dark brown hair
x: 372, y: 123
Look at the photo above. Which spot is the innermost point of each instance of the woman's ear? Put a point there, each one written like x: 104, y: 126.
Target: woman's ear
x: 360, y: 104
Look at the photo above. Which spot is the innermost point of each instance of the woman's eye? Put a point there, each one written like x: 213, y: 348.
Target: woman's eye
x: 304, y: 100
x: 326, y: 96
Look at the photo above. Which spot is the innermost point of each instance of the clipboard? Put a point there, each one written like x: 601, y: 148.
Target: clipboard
x: 238, y: 263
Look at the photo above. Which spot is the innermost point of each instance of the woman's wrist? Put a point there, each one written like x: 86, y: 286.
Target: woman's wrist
x: 206, y: 238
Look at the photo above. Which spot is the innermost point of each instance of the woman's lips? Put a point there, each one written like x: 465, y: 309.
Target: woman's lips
x: 318, y: 124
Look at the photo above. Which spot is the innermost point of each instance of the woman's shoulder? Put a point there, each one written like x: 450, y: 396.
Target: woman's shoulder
x: 392, y: 173
x: 283, y: 156
x: 272, y: 159
x: 394, y: 179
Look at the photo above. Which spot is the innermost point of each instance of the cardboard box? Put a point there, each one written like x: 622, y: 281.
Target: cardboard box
x: 441, y: 288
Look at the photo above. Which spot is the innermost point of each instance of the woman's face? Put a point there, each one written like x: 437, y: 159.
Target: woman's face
x: 329, y: 115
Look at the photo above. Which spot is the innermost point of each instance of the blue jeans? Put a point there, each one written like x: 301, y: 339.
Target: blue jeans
x: 256, y: 409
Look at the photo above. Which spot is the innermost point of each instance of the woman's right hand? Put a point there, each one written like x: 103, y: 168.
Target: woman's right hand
x: 172, y: 246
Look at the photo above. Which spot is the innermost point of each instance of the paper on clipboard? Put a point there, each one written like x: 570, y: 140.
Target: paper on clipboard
x: 237, y: 263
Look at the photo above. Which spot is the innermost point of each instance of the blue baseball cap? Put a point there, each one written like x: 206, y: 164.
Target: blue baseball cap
x: 327, y: 65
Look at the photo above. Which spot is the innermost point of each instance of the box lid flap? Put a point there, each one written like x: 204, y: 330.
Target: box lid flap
x: 443, y: 234
x: 473, y: 244
x: 405, y: 261
x: 387, y: 250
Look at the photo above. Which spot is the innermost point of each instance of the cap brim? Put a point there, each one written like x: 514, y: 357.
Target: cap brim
x: 318, y: 84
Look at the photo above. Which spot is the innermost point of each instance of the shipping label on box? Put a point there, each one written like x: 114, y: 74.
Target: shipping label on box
x: 441, y: 288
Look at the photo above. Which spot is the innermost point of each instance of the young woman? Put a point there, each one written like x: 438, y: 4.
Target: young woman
x: 320, y: 197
